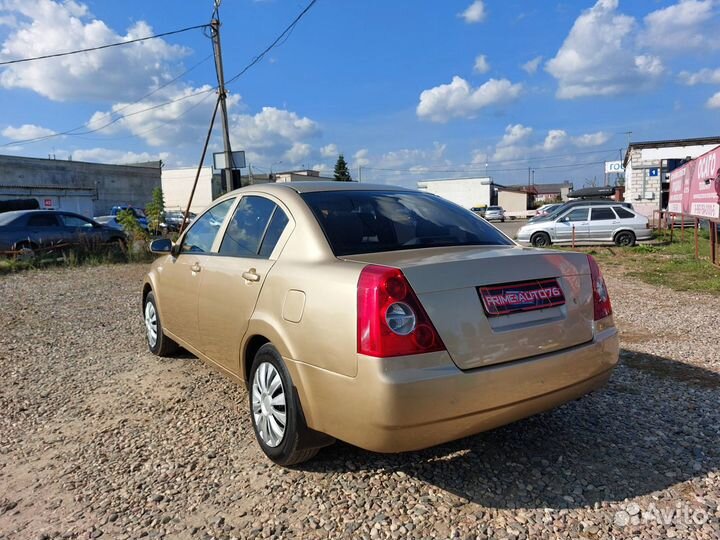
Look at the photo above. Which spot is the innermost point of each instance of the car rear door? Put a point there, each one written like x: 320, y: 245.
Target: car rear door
x: 179, y: 280
x: 233, y: 278
x: 603, y: 223
x: 574, y: 220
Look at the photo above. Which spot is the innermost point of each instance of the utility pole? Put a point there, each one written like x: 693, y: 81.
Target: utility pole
x: 222, y: 96
x: 359, y: 173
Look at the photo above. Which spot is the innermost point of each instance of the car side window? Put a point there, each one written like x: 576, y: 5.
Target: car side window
x: 75, y: 221
x: 623, y: 213
x: 249, y: 226
x: 273, y: 233
x: 598, y: 214
x: 202, y: 233
x: 42, y: 220
x: 579, y: 214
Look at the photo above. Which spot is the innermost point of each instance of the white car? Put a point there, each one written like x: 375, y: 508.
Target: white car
x: 494, y: 213
x: 584, y: 223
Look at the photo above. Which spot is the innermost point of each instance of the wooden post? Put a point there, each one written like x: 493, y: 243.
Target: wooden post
x: 682, y: 227
x: 697, y: 248
x: 672, y: 226
x: 573, y: 237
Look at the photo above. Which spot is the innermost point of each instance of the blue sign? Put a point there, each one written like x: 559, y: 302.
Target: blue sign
x: 654, y: 172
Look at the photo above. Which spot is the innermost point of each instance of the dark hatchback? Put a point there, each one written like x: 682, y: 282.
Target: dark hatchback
x: 28, y: 231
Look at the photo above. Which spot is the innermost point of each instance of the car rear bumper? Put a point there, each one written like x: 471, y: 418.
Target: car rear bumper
x: 410, y: 403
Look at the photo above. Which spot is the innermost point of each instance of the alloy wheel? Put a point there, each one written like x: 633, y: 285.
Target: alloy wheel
x: 151, y: 324
x: 268, y: 404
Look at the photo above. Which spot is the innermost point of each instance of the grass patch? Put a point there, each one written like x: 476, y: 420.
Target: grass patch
x: 670, y: 264
x: 78, y: 256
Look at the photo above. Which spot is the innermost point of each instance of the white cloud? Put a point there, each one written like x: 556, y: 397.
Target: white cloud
x: 412, y: 157
x: 686, y: 25
x: 459, y: 100
x: 481, y: 64
x: 26, y: 131
x: 591, y: 139
x: 599, y: 58
x: 704, y: 76
x: 515, y: 134
x: 297, y: 153
x: 531, y: 66
x: 513, y: 144
x: 475, y: 12
x: 360, y: 159
x: 105, y: 155
x: 44, y: 27
x: 554, y: 139
x: 714, y: 102
x: 330, y: 150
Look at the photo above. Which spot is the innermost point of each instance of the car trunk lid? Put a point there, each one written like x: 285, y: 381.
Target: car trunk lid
x: 494, y: 304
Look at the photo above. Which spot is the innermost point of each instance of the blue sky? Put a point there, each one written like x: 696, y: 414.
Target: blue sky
x: 406, y: 89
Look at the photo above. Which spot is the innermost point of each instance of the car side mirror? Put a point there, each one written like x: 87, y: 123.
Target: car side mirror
x: 161, y: 245
x: 565, y: 219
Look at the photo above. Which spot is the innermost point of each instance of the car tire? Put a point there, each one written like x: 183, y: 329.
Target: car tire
x: 26, y: 251
x: 273, y: 399
x: 540, y: 240
x: 158, y: 343
x: 625, y: 239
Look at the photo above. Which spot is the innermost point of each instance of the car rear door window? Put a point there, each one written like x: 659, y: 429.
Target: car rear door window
x: 42, y: 220
x: 253, y: 230
x: 75, y: 221
x: 201, y: 235
x: 598, y: 214
x: 623, y: 213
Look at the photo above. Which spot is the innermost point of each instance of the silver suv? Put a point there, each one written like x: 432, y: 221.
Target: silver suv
x: 590, y: 223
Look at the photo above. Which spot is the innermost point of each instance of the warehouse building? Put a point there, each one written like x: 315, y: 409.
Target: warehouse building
x: 467, y: 192
x: 90, y: 189
x: 647, y: 167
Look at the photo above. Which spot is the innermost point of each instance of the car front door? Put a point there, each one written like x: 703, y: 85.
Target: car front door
x: 603, y: 223
x: 43, y: 230
x: 575, y: 220
x: 79, y: 230
x: 179, y: 278
x: 232, y: 280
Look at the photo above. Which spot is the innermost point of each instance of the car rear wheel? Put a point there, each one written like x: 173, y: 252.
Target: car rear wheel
x: 540, y: 239
x: 275, y: 410
x: 625, y: 239
x: 158, y: 343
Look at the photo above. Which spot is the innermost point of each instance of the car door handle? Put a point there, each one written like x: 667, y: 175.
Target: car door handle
x: 251, y: 275
x: 195, y: 267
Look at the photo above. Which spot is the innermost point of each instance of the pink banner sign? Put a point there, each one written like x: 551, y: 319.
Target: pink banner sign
x: 695, y: 187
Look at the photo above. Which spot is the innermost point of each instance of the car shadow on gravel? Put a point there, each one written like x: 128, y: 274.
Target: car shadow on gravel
x: 655, y: 424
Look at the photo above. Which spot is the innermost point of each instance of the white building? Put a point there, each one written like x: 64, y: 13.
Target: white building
x: 647, y: 165
x: 467, y: 192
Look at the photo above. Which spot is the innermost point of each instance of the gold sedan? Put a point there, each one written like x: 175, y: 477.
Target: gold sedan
x: 385, y: 317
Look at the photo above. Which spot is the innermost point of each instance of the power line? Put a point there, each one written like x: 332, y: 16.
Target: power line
x: 128, y: 42
x: 288, y: 30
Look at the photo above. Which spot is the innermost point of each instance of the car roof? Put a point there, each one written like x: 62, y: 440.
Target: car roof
x: 316, y: 186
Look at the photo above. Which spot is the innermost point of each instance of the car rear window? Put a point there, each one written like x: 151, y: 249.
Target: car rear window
x: 622, y: 213
x: 373, y: 221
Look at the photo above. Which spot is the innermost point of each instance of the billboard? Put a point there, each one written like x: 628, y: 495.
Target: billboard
x: 695, y: 187
x: 614, y: 167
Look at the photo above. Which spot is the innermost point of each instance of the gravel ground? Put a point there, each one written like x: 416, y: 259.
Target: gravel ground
x: 98, y: 438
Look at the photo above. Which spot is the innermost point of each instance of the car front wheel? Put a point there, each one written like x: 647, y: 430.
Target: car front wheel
x: 275, y: 410
x: 540, y: 240
x: 158, y: 343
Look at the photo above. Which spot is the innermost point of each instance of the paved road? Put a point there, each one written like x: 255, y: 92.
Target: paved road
x: 511, y: 226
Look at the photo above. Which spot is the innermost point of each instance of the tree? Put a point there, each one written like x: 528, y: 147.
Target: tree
x: 155, y: 210
x: 342, y: 174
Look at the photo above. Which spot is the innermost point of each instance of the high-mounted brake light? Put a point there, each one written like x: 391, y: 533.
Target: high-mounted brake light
x: 391, y: 321
x: 601, y: 298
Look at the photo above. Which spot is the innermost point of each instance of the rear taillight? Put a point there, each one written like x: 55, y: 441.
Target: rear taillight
x: 391, y: 321
x: 601, y: 298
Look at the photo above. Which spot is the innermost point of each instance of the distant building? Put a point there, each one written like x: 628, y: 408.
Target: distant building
x: 517, y: 200
x: 177, y: 184
x: 90, y: 189
x: 467, y: 192
x: 547, y: 193
x: 648, y: 163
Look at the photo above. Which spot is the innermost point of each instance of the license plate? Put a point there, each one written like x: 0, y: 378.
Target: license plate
x: 521, y: 297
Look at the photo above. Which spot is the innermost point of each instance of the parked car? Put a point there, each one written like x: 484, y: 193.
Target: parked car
x: 174, y: 219
x: 112, y: 221
x: 385, y: 317
x: 561, y: 208
x: 30, y: 231
x: 137, y: 212
x: 495, y: 213
x: 587, y: 223
x: 479, y: 210
x: 546, y: 209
